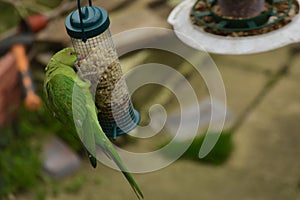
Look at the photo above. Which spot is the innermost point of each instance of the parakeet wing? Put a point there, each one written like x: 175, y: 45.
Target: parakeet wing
x: 59, y: 101
x: 67, y: 101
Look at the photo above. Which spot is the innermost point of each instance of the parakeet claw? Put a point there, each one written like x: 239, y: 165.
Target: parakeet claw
x: 92, y: 159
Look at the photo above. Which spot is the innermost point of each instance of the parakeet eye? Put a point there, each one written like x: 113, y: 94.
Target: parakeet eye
x: 71, y: 53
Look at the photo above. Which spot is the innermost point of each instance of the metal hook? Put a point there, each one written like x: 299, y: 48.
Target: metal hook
x: 84, y: 38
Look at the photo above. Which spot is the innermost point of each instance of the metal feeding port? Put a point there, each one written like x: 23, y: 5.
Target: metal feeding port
x: 215, y: 14
x: 98, y: 64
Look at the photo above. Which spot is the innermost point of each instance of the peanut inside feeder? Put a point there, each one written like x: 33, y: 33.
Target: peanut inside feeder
x: 98, y: 64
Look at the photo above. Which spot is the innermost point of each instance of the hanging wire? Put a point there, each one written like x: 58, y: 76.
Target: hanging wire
x: 84, y: 38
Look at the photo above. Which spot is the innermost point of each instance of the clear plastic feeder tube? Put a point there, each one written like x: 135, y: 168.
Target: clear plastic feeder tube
x: 98, y: 64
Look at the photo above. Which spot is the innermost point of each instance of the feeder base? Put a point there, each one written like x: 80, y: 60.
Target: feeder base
x: 117, y: 131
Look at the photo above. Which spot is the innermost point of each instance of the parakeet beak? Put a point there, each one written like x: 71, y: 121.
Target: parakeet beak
x: 80, y: 57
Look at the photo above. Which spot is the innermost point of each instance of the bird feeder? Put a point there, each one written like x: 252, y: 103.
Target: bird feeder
x: 98, y: 64
x: 236, y: 26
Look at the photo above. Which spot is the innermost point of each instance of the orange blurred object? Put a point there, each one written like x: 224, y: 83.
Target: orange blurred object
x: 32, y: 101
x: 19, y: 51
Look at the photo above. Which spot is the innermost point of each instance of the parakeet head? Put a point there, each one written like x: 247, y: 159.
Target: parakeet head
x: 67, y: 56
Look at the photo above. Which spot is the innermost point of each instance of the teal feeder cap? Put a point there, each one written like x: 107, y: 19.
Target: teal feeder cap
x: 90, y: 22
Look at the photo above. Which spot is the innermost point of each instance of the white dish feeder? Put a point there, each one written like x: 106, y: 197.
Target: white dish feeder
x: 198, y: 38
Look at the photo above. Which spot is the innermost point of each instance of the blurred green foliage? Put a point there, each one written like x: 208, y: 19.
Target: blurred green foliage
x: 10, y: 13
x: 217, y: 156
x: 43, y: 122
x: 20, y: 164
x: 49, y: 4
x: 20, y: 148
x: 75, y: 185
x: 9, y: 17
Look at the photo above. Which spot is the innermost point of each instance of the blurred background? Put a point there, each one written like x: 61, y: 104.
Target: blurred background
x: 256, y: 157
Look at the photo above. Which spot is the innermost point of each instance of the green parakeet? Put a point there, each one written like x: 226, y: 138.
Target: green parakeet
x: 70, y: 99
